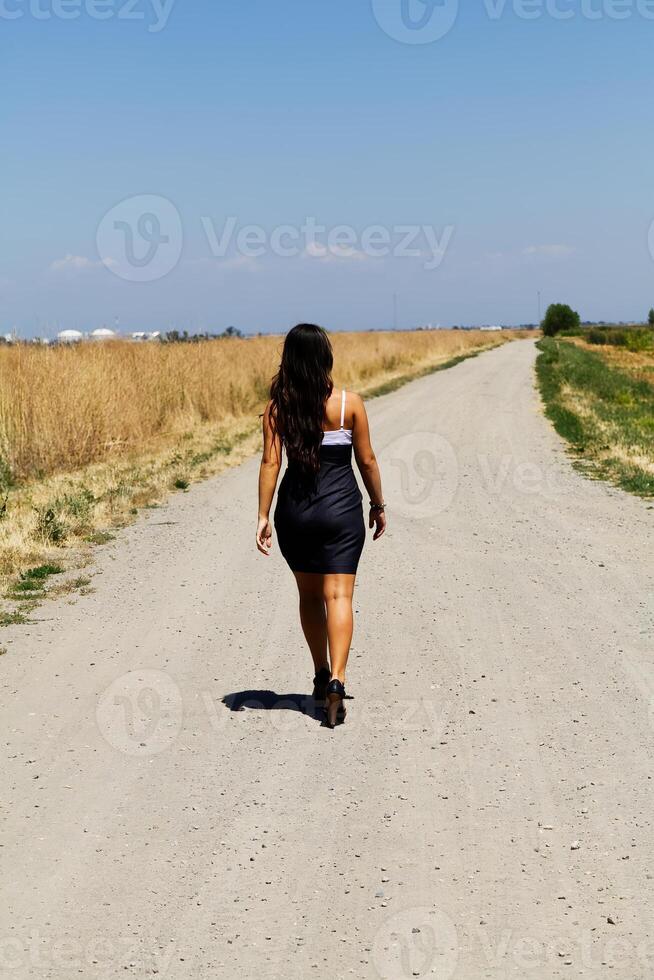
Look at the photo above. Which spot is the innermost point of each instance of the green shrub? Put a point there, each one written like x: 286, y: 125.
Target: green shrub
x: 632, y: 338
x: 49, y: 526
x: 41, y: 572
x: 6, y: 478
x: 28, y: 585
x: 70, y: 513
x: 14, y: 618
x: 559, y: 317
x: 596, y: 336
x: 100, y: 537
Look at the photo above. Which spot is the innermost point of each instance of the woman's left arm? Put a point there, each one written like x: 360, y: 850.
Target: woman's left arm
x: 271, y: 462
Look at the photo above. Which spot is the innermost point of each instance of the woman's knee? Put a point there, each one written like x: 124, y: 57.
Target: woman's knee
x: 309, y: 600
x: 338, y: 587
x: 310, y: 587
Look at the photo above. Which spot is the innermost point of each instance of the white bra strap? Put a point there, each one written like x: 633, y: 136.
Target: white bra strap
x: 343, y: 409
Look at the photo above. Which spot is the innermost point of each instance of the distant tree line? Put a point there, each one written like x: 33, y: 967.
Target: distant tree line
x: 561, y: 318
x: 184, y: 337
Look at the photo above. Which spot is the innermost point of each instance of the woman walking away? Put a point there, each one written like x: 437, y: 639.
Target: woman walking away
x: 319, y: 514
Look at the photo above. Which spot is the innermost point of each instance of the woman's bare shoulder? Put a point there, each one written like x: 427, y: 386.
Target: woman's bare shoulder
x: 355, y: 400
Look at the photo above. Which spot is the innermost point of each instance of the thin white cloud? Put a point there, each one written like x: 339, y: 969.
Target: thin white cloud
x: 216, y: 264
x: 77, y: 263
x: 333, y: 253
x: 549, y: 251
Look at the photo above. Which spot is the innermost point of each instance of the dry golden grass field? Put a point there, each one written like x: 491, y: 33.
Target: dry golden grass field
x: 91, y: 433
x: 638, y: 364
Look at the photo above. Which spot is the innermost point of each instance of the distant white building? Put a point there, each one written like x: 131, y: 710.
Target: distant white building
x: 103, y: 333
x: 142, y: 335
x: 70, y: 336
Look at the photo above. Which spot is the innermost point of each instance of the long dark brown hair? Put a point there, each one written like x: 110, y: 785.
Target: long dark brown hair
x: 298, y: 394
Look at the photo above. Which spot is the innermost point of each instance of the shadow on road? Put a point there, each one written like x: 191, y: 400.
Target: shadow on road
x: 271, y: 701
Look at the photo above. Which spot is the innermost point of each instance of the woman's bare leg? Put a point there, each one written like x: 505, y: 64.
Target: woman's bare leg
x: 313, y: 616
x: 337, y: 593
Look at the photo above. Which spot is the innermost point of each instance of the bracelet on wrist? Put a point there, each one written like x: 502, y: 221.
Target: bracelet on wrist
x: 377, y: 507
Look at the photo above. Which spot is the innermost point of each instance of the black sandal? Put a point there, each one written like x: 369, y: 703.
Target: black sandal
x: 335, y: 704
x: 320, y: 682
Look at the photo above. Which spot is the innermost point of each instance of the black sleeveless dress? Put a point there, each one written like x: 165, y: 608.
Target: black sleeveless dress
x: 322, y: 530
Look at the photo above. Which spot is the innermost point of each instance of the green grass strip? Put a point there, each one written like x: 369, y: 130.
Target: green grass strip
x: 617, y: 417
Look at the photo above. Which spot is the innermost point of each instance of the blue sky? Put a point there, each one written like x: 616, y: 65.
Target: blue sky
x: 524, y: 145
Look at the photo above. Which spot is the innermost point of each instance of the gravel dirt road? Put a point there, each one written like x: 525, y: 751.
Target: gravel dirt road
x: 173, y: 807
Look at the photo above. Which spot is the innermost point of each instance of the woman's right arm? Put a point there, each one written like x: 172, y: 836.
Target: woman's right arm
x: 367, y: 463
x: 271, y: 461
